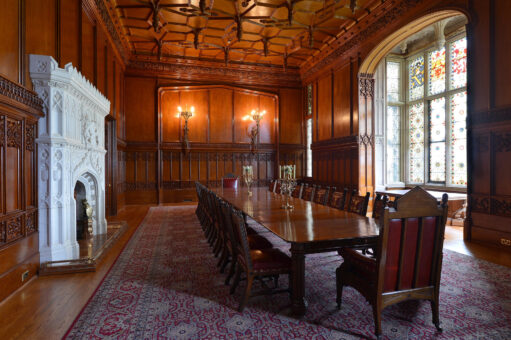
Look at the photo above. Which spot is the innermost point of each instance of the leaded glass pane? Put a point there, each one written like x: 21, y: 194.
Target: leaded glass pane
x: 436, y: 65
x: 393, y: 144
x: 309, y: 151
x: 437, y: 162
x: 459, y: 63
x: 416, y: 78
x: 437, y: 120
x: 459, y: 138
x: 309, y: 99
x: 393, y: 81
x: 416, y: 142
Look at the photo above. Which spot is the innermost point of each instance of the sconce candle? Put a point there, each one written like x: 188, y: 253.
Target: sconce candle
x: 185, y: 115
x: 256, y: 116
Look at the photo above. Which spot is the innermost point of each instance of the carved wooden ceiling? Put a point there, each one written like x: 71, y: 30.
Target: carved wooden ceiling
x: 268, y: 32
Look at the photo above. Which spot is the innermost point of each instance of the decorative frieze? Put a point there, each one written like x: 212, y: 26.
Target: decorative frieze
x: 20, y: 94
x: 14, y: 136
x: 502, y: 142
x: 14, y: 229
x: 30, y: 137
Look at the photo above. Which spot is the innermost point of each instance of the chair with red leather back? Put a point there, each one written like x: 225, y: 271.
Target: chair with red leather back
x: 408, y: 257
x: 230, y: 181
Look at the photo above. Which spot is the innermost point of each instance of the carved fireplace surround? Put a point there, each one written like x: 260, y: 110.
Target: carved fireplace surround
x: 71, y: 148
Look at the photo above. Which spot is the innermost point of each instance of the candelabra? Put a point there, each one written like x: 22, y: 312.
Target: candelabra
x: 185, y: 115
x: 248, y: 177
x: 287, y: 174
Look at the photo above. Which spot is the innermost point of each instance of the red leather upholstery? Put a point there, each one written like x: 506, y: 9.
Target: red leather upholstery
x: 230, y: 183
x: 409, y: 249
x: 258, y: 242
x: 269, y: 259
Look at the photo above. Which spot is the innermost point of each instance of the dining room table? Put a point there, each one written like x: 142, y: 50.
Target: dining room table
x: 308, y: 227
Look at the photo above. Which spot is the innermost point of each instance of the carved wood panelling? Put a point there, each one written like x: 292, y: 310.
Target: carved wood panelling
x: 30, y: 137
x: 14, y: 229
x: 20, y: 94
x: 2, y: 130
x: 14, y: 135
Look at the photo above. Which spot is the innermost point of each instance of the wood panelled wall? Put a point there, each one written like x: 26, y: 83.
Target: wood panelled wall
x: 335, y: 126
x: 70, y: 31
x: 157, y: 169
x: 343, y: 101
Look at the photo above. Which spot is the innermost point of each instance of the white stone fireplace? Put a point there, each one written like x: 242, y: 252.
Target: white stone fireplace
x: 71, y: 148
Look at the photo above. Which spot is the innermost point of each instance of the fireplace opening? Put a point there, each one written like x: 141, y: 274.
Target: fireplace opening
x: 81, y: 215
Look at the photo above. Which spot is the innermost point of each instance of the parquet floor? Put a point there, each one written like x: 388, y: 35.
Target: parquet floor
x: 47, y: 306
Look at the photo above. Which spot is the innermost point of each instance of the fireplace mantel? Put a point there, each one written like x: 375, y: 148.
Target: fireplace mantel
x: 71, y: 148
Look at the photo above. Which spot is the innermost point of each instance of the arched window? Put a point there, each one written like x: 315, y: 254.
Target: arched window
x: 425, y: 115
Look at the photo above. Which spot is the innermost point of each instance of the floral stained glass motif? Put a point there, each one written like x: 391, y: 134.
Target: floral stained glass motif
x: 459, y: 138
x: 393, y: 81
x: 416, y: 142
x: 436, y: 65
x: 393, y: 144
x: 309, y: 99
x: 459, y: 63
x: 416, y: 78
x: 437, y: 140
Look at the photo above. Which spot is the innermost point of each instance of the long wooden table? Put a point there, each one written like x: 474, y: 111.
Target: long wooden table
x: 309, y: 228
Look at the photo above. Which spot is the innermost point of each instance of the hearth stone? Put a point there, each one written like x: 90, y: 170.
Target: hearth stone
x: 71, y: 148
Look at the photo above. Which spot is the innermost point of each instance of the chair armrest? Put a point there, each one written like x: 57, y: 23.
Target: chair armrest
x: 355, y: 259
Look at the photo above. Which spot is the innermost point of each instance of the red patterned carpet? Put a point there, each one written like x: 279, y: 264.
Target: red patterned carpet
x: 165, y: 285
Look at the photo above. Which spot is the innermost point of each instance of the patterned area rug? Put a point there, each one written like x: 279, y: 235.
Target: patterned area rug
x: 165, y: 285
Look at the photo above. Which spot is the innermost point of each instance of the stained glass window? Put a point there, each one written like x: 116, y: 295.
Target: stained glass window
x: 459, y: 63
x: 436, y: 65
x: 309, y: 99
x: 437, y: 140
x: 416, y: 142
x: 416, y: 78
x: 308, y: 145
x: 393, y: 81
x: 393, y: 144
x: 459, y: 138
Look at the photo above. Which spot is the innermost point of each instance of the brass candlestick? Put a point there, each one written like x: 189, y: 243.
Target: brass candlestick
x: 248, y: 177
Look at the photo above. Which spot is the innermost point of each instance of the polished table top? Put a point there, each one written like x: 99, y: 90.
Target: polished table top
x: 307, y: 222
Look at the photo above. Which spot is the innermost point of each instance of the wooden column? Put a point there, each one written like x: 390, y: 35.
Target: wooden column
x: 366, y: 133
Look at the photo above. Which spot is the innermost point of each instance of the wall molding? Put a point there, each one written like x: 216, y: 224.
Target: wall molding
x: 20, y: 94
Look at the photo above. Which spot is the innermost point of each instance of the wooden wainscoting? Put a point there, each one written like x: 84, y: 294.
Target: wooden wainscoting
x: 19, y: 239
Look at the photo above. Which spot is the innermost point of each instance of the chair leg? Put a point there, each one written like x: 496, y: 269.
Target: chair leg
x: 231, y: 270
x: 377, y: 320
x: 225, y: 262
x: 340, y: 286
x: 236, y: 279
x: 436, y: 315
x: 223, y: 255
x: 245, y: 297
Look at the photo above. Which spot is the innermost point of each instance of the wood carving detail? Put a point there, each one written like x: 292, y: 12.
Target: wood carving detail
x: 30, y: 223
x: 366, y: 84
x: 2, y: 130
x: 14, y: 135
x: 480, y: 204
x: 2, y: 233
x: 19, y: 93
x: 14, y: 229
x: 501, y: 206
x: 30, y: 137
x: 503, y: 142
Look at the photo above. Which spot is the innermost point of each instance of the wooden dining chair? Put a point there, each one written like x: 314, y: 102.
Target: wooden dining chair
x: 380, y: 202
x: 308, y: 192
x: 256, y: 263
x: 255, y: 241
x: 338, y: 199
x: 408, y: 258
x: 271, y: 186
x: 277, y: 187
x: 297, y: 192
x: 230, y: 182
x: 321, y: 195
x: 358, y: 204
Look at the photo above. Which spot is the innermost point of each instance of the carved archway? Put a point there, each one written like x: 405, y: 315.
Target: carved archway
x: 366, y: 92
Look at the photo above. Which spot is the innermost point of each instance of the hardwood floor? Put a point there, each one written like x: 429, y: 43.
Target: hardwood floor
x: 46, y: 307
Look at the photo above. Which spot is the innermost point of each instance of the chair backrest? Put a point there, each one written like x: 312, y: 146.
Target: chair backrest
x: 409, y: 252
x: 228, y: 182
x: 308, y: 192
x: 321, y: 195
x: 271, y: 187
x: 358, y: 204
x: 338, y: 199
x: 297, y: 192
x: 380, y: 202
x: 242, y: 247
x: 231, y: 239
x: 277, y: 187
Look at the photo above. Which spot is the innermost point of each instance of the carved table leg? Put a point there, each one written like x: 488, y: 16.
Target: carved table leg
x: 298, y: 304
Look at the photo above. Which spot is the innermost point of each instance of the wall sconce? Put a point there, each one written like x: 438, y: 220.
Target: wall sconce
x: 256, y: 116
x: 185, y: 115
